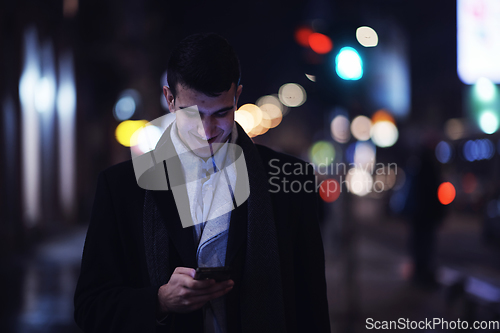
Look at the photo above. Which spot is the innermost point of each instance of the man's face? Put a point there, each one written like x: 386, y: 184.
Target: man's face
x: 214, y: 123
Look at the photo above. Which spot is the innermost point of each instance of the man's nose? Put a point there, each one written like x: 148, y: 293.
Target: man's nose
x: 205, y: 128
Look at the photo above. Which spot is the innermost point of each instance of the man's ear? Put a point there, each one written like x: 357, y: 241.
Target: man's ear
x: 169, y: 97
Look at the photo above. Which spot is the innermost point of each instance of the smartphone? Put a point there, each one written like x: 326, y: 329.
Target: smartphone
x: 217, y: 273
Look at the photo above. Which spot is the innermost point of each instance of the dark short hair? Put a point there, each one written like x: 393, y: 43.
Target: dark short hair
x: 204, y: 62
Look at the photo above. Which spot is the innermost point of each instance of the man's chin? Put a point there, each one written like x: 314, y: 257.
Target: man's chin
x: 207, y: 150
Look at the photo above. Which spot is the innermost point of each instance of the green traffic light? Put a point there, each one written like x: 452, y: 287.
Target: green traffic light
x: 348, y: 64
x: 485, y: 105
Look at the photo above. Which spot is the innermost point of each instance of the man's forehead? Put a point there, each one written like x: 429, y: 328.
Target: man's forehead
x: 191, y: 100
x: 196, y: 108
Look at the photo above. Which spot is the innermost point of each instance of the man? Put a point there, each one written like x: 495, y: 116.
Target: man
x: 139, y: 261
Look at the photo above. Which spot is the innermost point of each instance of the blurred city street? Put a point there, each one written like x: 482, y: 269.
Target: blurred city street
x: 42, y: 283
x: 382, y: 289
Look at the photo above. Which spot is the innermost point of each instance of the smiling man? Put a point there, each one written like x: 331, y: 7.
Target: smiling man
x: 139, y: 260
x: 216, y: 122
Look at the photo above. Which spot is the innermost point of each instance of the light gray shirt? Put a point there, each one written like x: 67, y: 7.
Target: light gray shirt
x: 211, y: 203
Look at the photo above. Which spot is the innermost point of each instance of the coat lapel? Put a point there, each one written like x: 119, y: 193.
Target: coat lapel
x: 238, y: 225
x: 181, y: 238
x: 237, y: 233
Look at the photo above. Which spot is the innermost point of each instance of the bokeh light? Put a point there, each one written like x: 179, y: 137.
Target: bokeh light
x: 271, y: 115
x: 126, y: 105
x: 487, y: 149
x: 30, y: 129
x: 366, y: 36
x: 70, y: 8
x: 400, y: 179
x: 255, y: 111
x: 359, y: 181
x: 147, y: 137
x: 272, y: 111
x: 469, y: 183
x: 302, y: 35
x: 267, y: 121
x: 270, y: 99
x: 485, y: 89
x: 477, y: 150
x: 446, y: 193
x: 397, y: 201
x: 245, y: 119
x: 348, y: 64
x: 454, y: 128
x: 125, y: 132
x: 469, y: 151
x: 261, y: 120
x: 320, y: 43
x: 292, y: 94
x: 277, y: 110
x: 382, y: 115
x: 339, y: 128
x: 443, y: 152
x: 124, y: 108
x: 349, y: 152
x: 322, y: 152
x: 66, y: 115
x: 329, y: 190
x: 258, y: 130
x: 364, y: 155
x: 384, y: 133
x: 488, y: 122
x: 311, y: 77
x: 361, y: 127
x: 385, y: 179
x: 45, y: 94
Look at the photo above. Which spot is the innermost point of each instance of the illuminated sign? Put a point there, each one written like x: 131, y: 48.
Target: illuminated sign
x: 478, y: 40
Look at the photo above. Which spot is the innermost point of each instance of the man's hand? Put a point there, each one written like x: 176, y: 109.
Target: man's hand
x: 184, y: 294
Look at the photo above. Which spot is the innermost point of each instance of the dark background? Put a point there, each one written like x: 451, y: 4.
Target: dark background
x: 120, y: 45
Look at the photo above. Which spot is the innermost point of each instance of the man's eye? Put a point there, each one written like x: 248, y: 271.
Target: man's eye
x: 222, y: 114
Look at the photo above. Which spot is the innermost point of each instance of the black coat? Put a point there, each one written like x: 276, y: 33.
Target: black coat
x: 114, y: 293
